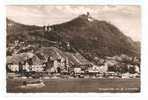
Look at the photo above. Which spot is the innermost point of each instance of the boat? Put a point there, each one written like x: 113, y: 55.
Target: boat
x: 33, y: 84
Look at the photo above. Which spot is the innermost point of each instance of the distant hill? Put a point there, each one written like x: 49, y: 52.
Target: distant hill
x: 88, y: 36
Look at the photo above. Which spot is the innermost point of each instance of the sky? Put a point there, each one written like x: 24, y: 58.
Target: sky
x: 126, y: 18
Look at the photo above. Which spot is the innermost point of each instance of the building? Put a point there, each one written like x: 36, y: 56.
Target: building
x: 56, y: 61
x: 25, y: 60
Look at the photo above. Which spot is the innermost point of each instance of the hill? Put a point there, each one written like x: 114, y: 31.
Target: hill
x: 94, y: 37
x: 86, y: 35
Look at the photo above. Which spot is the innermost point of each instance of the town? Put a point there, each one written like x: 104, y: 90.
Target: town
x: 51, y: 62
x: 83, y: 54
